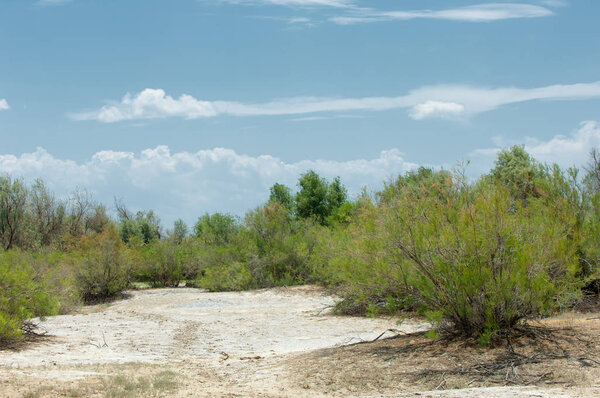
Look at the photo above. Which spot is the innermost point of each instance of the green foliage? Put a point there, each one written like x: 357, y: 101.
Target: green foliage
x: 168, y: 263
x: 475, y: 257
x: 144, y: 227
x: 13, y: 202
x: 102, y: 266
x: 311, y: 200
x: 23, y: 295
x: 216, y: 229
x: 281, y: 246
x: 517, y: 170
x: 180, y: 231
x: 158, y: 264
x: 283, y: 195
x: 337, y: 194
x: 317, y: 199
x: 470, y: 254
x: 48, y: 214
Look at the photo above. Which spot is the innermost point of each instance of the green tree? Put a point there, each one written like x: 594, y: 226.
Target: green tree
x: 517, y: 170
x: 144, y: 226
x: 179, y: 232
x: 283, y: 195
x: 48, y: 214
x: 217, y: 229
x: 13, y: 206
x: 337, y: 194
x: 311, y: 200
x: 318, y: 199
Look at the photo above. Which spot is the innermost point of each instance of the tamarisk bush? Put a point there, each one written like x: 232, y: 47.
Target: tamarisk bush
x: 471, y: 257
x: 22, y: 295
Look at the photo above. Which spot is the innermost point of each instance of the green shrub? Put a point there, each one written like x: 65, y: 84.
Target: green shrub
x: 224, y: 267
x: 102, y: 266
x: 470, y: 257
x: 231, y: 277
x: 23, y: 295
x: 279, y: 246
x: 158, y: 264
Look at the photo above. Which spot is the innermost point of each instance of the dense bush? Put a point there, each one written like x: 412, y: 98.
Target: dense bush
x: 280, y: 246
x: 468, y: 256
x: 23, y: 295
x: 102, y: 266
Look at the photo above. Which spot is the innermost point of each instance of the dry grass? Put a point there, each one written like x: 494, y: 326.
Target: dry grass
x: 561, y: 352
x: 129, y: 381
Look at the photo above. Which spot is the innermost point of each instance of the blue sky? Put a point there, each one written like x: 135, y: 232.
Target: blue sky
x: 200, y: 105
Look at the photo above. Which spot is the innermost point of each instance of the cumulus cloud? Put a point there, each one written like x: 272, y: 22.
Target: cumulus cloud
x: 187, y: 184
x: 425, y: 102
x: 566, y: 151
x: 474, y: 13
x: 4, y: 105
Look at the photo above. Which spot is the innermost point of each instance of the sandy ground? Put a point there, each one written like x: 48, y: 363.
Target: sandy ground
x: 185, y: 342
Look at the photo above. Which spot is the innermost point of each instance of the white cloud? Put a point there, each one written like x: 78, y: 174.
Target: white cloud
x: 187, y: 184
x: 431, y: 109
x: 474, y: 13
x: 294, y: 3
x: 431, y: 101
x: 553, y: 3
x: 566, y: 151
x: 4, y: 105
x: 299, y: 20
x: 52, y: 2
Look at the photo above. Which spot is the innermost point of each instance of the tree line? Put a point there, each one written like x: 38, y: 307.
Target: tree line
x: 474, y: 257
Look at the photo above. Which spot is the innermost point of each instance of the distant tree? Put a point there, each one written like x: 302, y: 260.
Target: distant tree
x: 518, y: 171
x: 122, y: 212
x: 311, y: 199
x: 48, y: 214
x: 317, y: 198
x: 337, y: 195
x: 13, y: 203
x: 80, y: 207
x: 283, y: 195
x: 145, y: 225
x: 216, y: 229
x: 97, y: 219
x: 592, y: 177
x: 179, y: 232
x: 129, y: 230
x: 150, y: 227
x: 424, y: 177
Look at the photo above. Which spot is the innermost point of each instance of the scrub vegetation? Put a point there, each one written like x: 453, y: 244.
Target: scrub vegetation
x: 477, y: 258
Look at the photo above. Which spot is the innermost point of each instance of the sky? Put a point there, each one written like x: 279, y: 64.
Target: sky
x: 199, y: 106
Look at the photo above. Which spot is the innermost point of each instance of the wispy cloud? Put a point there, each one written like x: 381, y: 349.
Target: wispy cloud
x: 294, y: 3
x: 224, y: 180
x: 445, y: 101
x: 4, y: 105
x: 474, y: 13
x: 553, y: 3
x: 432, y: 109
x: 353, y: 11
x: 314, y: 118
x: 52, y: 2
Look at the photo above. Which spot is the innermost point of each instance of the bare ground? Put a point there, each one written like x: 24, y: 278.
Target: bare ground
x: 285, y: 343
